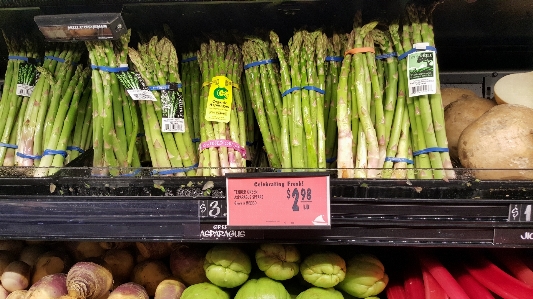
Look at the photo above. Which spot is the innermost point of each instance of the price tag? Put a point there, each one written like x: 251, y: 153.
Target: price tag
x: 520, y: 212
x: 278, y: 200
x: 212, y: 208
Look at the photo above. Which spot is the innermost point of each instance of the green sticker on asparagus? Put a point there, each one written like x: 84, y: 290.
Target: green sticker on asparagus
x: 172, y: 109
x: 219, y: 100
x: 135, y: 86
x: 27, y: 77
x: 421, y: 73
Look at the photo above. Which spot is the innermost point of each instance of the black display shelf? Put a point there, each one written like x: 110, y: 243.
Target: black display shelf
x: 456, y: 213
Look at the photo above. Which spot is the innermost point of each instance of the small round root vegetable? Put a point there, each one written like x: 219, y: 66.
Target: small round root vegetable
x: 14, y: 246
x: 154, y: 250
x: 129, y: 290
x: 19, y: 294
x: 31, y: 253
x: 459, y: 115
x: 499, y: 144
x: 50, y: 262
x: 169, y: 289
x: 187, y: 264
x: 120, y: 263
x: 452, y: 94
x: 6, y: 257
x: 3, y: 292
x: 84, y: 250
x: 88, y: 280
x: 49, y: 287
x: 16, y: 276
x: 150, y: 274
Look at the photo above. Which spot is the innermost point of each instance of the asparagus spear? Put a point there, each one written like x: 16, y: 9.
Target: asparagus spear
x: 285, y: 142
x: 345, y: 156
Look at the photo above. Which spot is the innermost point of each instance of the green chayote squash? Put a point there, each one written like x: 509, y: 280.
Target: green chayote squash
x: 204, y: 290
x: 323, y: 270
x: 227, y: 266
x: 262, y: 288
x: 365, y: 276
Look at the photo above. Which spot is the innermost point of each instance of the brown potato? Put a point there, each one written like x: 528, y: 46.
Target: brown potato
x: 502, y: 139
x: 452, y: 94
x: 459, y: 115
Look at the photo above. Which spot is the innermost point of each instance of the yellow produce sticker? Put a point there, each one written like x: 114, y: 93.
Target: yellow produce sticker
x: 219, y: 100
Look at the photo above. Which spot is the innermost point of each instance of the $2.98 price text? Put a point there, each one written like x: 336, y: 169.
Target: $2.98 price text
x: 278, y: 201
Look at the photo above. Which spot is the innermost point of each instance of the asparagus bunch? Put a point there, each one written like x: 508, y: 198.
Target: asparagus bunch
x: 219, y: 59
x: 379, y: 125
x: 115, y: 120
x: 303, y: 88
x: 265, y: 98
x: 190, y: 74
x: 11, y: 104
x: 170, y: 152
x: 56, y: 84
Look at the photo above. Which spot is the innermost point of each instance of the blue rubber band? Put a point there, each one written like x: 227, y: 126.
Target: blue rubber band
x: 334, y: 58
x: 413, y: 50
x: 175, y: 170
x: 313, y: 88
x: 141, y: 134
x: 290, y: 90
x: 193, y: 58
x: 134, y: 173
x: 75, y: 148
x: 260, y: 62
x: 397, y: 160
x: 8, y: 145
x: 48, y: 152
x: 28, y: 156
x: 387, y: 55
x: 110, y: 69
x: 431, y: 150
x: 196, y: 140
x: 248, y: 143
x: 23, y: 58
x: 331, y: 160
x: 59, y: 59
x: 163, y: 87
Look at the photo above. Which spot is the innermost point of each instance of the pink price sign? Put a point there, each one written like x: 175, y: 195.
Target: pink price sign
x: 278, y: 200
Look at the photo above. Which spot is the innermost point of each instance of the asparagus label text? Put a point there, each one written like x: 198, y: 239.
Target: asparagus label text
x: 220, y: 100
x: 421, y: 73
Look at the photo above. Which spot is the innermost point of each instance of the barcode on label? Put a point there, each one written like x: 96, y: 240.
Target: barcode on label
x: 141, y: 95
x: 422, y: 89
x: 174, y: 125
x: 24, y: 90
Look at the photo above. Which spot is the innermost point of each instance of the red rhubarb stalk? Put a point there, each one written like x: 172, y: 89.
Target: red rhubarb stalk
x: 413, y: 282
x: 432, y: 288
x: 443, y: 277
x: 516, y: 265
x: 472, y: 287
x: 395, y: 291
x: 497, y: 280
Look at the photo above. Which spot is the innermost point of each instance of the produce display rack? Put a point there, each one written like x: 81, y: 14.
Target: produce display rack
x: 458, y: 213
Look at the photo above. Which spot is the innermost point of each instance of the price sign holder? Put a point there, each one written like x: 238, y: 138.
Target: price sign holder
x: 281, y: 200
x: 520, y: 212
